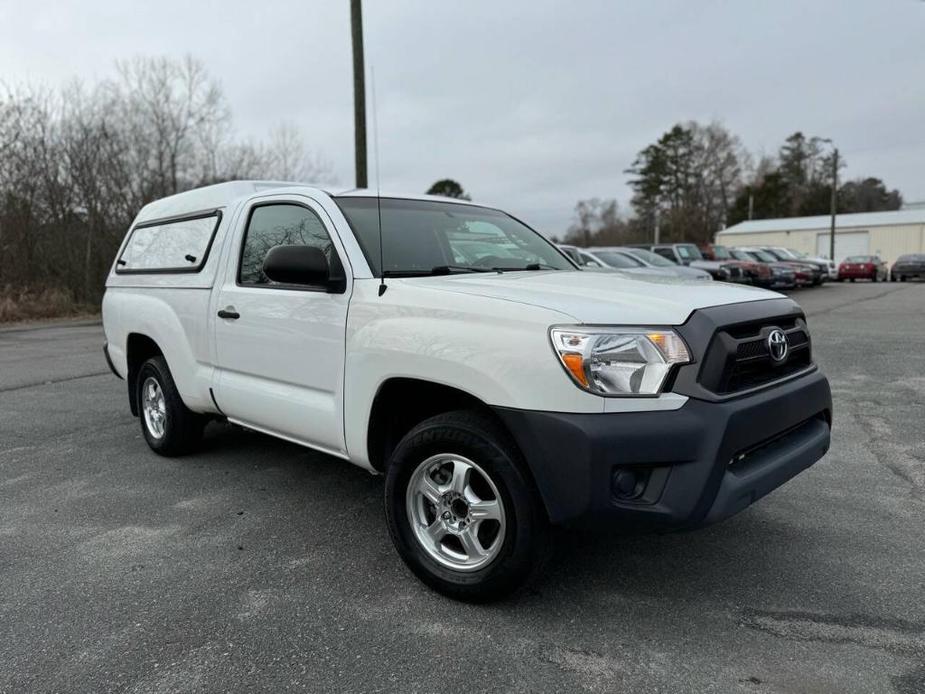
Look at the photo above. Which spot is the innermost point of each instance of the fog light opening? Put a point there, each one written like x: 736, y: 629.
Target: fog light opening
x: 627, y: 484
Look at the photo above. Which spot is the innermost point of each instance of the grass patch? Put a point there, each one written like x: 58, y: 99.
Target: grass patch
x: 25, y: 305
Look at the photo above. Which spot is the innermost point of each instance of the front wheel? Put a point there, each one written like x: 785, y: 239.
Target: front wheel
x: 462, y: 511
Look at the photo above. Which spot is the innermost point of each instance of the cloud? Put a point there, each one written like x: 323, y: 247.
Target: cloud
x: 531, y: 105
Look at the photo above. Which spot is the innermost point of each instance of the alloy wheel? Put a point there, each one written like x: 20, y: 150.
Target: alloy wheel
x: 154, y: 407
x: 456, y: 512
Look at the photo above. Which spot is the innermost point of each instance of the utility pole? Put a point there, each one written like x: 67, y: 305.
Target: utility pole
x: 834, y: 204
x: 359, y: 92
x: 751, y: 204
x: 657, y: 229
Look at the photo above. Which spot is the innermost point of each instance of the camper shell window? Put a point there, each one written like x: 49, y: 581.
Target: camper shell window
x: 174, y: 245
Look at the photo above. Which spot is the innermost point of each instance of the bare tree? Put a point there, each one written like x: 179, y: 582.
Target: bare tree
x: 172, y: 110
x: 288, y: 159
x: 77, y: 164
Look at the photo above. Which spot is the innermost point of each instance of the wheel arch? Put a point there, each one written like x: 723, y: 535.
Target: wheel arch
x: 138, y: 349
x: 401, y: 403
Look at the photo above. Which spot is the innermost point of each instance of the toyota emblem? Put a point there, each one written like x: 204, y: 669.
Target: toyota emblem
x: 777, y: 345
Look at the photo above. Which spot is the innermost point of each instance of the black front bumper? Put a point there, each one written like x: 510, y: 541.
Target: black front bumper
x: 701, y: 463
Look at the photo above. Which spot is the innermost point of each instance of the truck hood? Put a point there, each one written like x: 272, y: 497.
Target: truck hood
x: 599, y: 297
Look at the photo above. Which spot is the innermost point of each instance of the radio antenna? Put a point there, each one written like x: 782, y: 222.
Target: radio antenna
x: 382, y: 286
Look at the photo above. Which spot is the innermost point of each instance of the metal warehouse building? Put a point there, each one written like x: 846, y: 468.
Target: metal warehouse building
x: 887, y: 234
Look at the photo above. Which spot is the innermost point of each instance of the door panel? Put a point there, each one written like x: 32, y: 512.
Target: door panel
x: 280, y: 363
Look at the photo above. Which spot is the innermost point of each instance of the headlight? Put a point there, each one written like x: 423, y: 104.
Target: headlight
x: 618, y: 361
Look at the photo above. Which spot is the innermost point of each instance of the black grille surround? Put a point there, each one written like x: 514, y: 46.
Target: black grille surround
x: 733, y: 272
x: 729, y: 345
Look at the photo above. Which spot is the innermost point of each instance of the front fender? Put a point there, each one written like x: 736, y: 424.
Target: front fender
x: 495, y: 350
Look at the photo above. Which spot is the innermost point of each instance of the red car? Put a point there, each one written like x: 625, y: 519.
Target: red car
x: 757, y: 273
x: 863, y: 267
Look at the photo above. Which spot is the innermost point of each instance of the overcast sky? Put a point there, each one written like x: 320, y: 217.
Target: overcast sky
x: 531, y: 105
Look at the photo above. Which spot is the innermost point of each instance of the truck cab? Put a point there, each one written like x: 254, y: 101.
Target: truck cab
x: 452, y: 349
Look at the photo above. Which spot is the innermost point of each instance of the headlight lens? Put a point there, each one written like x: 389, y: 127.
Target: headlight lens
x: 619, y: 361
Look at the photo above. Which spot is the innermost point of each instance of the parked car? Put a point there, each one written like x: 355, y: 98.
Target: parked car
x: 806, y: 275
x: 581, y: 258
x: 588, y: 261
x: 783, y: 276
x: 688, y: 254
x: 680, y: 253
x: 909, y: 265
x: 827, y: 267
x: 498, y: 393
x: 863, y: 267
x: 620, y: 257
x: 819, y: 269
x: 755, y: 272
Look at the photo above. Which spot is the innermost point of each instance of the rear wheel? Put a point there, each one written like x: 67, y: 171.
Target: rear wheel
x: 169, y: 426
x: 462, y: 511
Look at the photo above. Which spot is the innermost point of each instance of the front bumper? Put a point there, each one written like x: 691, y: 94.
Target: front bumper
x: 856, y: 273
x: 701, y: 463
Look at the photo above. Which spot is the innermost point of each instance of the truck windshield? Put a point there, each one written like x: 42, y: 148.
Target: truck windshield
x: 424, y: 237
x: 689, y: 251
x: 763, y: 256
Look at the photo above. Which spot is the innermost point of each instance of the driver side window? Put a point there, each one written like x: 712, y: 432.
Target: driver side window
x: 280, y: 224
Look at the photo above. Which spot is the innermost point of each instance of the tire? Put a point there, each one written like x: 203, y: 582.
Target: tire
x: 169, y: 426
x: 514, y: 538
x: 851, y: 279
x: 902, y: 278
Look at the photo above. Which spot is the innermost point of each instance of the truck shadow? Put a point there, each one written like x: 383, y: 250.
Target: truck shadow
x: 756, y: 557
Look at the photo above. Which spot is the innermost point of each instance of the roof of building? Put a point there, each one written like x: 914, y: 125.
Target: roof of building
x: 842, y: 221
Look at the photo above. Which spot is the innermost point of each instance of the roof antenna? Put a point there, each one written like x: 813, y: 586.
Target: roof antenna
x: 382, y: 286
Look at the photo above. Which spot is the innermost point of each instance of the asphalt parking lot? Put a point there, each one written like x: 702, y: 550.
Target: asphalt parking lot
x: 258, y: 565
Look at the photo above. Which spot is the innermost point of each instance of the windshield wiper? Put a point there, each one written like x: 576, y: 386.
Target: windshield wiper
x: 529, y: 266
x: 450, y: 269
x: 437, y: 270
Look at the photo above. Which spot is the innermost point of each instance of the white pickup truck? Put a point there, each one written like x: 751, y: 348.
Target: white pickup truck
x: 500, y: 389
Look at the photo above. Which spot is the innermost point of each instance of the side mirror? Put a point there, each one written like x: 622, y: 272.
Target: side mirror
x: 298, y: 264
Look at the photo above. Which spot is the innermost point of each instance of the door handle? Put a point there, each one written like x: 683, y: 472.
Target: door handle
x: 229, y: 313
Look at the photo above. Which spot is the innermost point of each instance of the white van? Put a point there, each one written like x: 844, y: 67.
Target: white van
x: 499, y: 388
